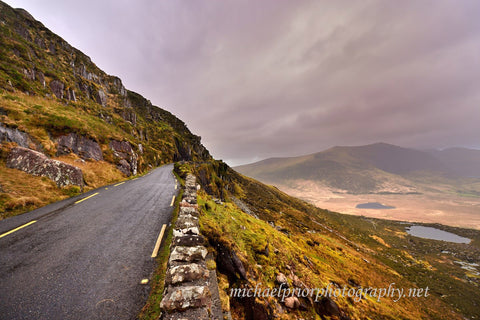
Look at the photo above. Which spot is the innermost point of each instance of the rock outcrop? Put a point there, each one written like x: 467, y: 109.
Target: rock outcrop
x: 42, y: 64
x: 126, y: 157
x: 229, y: 263
x: 82, y: 146
x: 14, y: 135
x: 36, y: 163
x: 101, y: 97
x: 57, y: 88
x: 188, y: 293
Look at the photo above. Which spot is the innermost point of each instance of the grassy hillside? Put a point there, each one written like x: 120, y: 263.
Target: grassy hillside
x: 273, y: 233
x: 48, y: 90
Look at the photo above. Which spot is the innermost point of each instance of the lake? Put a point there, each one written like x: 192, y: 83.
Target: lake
x: 435, y: 234
x: 373, y: 205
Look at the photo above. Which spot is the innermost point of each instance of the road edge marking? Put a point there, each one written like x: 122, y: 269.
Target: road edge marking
x: 92, y: 195
x: 116, y: 185
x: 18, y: 228
x: 159, y: 240
x: 173, y: 200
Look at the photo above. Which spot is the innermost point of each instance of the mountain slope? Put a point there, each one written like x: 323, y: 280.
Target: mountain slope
x: 462, y: 161
x: 55, y: 100
x: 424, y: 186
x: 279, y: 238
x: 377, y: 168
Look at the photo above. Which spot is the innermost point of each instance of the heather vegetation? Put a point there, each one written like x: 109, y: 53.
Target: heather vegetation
x: 315, y: 248
x: 55, y: 100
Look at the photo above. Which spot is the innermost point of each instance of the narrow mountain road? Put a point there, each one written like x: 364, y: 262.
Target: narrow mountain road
x: 85, y: 258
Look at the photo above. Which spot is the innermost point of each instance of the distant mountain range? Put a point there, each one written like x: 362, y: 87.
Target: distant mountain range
x: 374, y: 168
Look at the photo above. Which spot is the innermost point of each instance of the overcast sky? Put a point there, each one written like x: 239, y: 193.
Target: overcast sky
x: 258, y: 79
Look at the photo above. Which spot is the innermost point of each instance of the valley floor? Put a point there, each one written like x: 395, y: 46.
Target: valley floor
x: 430, y: 207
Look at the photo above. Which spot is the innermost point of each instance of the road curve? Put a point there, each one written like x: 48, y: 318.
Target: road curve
x: 85, y: 260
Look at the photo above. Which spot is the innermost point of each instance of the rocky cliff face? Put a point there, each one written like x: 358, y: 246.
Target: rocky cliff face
x: 14, y: 135
x: 55, y: 100
x: 63, y: 118
x: 127, y: 158
x: 82, y: 146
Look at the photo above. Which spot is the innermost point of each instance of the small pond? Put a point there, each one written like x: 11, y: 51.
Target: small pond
x: 373, y: 205
x: 435, y: 234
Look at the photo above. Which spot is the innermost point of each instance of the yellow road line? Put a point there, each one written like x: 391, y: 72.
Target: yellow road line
x: 175, y: 186
x: 119, y: 184
x: 173, y: 200
x: 86, y: 198
x: 134, y: 179
x: 16, y: 229
x: 159, y: 240
x: 144, y: 281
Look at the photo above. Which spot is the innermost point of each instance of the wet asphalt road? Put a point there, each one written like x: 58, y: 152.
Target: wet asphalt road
x: 85, y: 260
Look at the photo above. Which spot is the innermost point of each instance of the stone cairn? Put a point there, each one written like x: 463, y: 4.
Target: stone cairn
x: 187, y: 294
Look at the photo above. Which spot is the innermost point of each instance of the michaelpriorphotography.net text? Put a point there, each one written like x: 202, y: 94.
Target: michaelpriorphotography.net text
x: 330, y: 291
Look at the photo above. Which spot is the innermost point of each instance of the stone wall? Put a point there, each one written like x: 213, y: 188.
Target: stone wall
x: 191, y: 290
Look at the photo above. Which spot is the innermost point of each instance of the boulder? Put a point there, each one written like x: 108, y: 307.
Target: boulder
x: 38, y: 164
x: 82, y: 146
x: 57, y: 88
x: 282, y: 279
x: 292, y: 303
x: 183, y: 298
x: 101, y: 97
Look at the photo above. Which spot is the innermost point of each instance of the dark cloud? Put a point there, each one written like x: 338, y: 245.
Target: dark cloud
x: 275, y: 78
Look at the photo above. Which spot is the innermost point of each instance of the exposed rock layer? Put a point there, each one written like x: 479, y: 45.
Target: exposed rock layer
x: 14, y: 135
x: 38, y: 164
x: 82, y: 146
